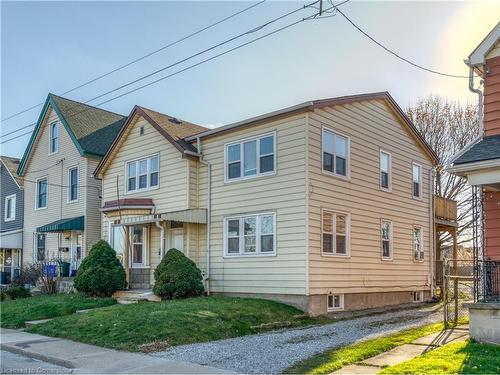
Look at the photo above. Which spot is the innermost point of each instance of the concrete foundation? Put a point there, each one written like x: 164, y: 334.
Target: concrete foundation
x: 353, y: 302
x: 140, y: 278
x: 484, y: 322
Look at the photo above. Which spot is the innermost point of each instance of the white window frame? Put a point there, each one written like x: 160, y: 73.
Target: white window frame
x: 69, y: 200
x: 414, y: 164
x: 241, y: 236
x: 389, y: 172
x: 391, y: 251
x: 137, y: 174
x: 334, y: 234
x: 10, y: 198
x: 418, y: 296
x: 51, y: 135
x: 421, y: 243
x: 332, y: 307
x: 46, y: 178
x: 241, y: 142
x: 145, y: 247
x: 348, y: 154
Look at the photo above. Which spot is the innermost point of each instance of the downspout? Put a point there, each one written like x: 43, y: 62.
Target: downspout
x: 479, y: 98
x: 162, y: 238
x: 209, y: 218
x: 433, y: 234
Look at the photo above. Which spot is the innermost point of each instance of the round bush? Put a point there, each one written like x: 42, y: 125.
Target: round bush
x: 100, y: 273
x: 177, y: 277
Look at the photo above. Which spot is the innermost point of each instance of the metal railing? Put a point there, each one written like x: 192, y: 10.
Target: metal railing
x: 488, y: 281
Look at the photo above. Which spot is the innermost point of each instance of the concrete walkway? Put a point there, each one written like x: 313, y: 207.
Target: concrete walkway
x: 405, y: 352
x: 89, y: 359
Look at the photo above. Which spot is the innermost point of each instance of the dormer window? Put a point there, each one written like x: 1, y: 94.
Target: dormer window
x: 54, y: 138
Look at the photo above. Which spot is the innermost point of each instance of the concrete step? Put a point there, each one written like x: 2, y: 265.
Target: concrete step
x: 135, y: 295
x: 31, y: 323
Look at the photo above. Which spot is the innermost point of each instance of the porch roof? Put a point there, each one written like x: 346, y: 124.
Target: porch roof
x: 62, y: 225
x: 193, y: 215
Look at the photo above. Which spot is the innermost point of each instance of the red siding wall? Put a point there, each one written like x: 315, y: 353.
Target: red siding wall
x: 492, y: 225
x: 492, y: 97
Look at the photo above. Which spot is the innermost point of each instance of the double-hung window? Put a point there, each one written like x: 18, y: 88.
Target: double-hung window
x: 41, y: 193
x: 250, y: 235
x: 73, y: 184
x: 54, y: 138
x: 386, y: 235
x: 10, y: 208
x: 418, y: 249
x: 385, y: 170
x: 335, y: 233
x: 335, y: 153
x: 417, y: 180
x: 250, y: 158
x: 40, y: 247
x: 142, y: 174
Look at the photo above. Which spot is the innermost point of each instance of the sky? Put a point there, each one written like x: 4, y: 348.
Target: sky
x: 55, y: 46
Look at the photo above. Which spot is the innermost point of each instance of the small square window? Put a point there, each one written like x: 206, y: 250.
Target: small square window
x: 335, y: 302
x: 418, y: 296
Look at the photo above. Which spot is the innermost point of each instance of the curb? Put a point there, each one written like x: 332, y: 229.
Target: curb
x: 41, y: 357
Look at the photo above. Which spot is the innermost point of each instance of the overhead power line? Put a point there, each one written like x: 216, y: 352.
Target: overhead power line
x: 251, y: 31
x: 191, y: 66
x: 395, y: 53
x: 141, y: 58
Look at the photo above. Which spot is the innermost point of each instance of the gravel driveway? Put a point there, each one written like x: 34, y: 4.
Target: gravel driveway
x: 275, y: 351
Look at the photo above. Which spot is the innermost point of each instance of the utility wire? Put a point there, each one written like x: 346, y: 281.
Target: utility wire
x: 251, y: 31
x: 187, y: 68
x: 52, y: 184
x: 396, y: 54
x: 141, y: 58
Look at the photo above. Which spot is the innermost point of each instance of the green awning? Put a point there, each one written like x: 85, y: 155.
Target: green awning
x: 63, y: 225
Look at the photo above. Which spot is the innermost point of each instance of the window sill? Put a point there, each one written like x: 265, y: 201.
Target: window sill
x: 387, y: 259
x: 40, y: 208
x: 387, y: 190
x: 11, y: 219
x: 417, y: 198
x: 334, y: 255
x: 71, y: 202
x: 141, y: 190
x: 239, y: 256
x: 246, y: 178
x: 334, y: 175
x: 333, y: 309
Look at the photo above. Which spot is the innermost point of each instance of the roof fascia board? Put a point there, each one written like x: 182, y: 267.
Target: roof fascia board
x: 474, y: 166
x: 477, y: 57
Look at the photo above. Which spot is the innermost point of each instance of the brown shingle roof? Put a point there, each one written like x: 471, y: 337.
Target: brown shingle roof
x: 178, y: 129
x: 12, y: 164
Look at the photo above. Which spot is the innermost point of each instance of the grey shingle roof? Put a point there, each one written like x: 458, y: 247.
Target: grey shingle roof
x: 488, y: 148
x: 12, y: 164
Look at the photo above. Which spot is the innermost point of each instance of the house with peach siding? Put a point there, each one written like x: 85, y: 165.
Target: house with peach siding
x: 326, y: 205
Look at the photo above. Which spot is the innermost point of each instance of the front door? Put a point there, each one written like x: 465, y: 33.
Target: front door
x: 76, y: 251
x: 176, y: 239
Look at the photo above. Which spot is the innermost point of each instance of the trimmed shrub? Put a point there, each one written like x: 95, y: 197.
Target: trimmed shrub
x: 177, y: 277
x: 100, y: 273
x: 17, y: 292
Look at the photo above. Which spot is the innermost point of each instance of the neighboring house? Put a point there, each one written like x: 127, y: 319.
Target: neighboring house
x: 62, y: 198
x: 11, y: 212
x: 480, y: 161
x: 326, y: 205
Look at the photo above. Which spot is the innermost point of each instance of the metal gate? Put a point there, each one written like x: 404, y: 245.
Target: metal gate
x: 468, y: 281
x: 459, y: 286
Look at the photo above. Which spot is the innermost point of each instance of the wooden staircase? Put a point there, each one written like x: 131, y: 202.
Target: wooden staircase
x: 135, y: 295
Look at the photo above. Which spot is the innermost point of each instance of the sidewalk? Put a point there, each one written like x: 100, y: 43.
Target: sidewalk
x: 84, y: 358
x: 405, y: 352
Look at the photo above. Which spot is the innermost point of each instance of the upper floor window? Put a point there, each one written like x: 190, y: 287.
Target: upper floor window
x: 386, y: 234
x: 54, y: 138
x: 418, y: 249
x: 335, y: 233
x: 250, y: 235
x: 41, y: 193
x: 250, y: 158
x: 10, y: 208
x: 335, y: 153
x: 73, y: 184
x: 142, y: 174
x: 385, y: 170
x: 417, y: 180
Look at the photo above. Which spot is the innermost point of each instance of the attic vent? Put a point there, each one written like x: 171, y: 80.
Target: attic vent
x: 141, y: 130
x: 173, y: 120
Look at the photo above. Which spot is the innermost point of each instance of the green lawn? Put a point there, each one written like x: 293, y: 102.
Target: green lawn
x: 465, y: 357
x: 14, y: 313
x: 333, y: 359
x: 153, y: 326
